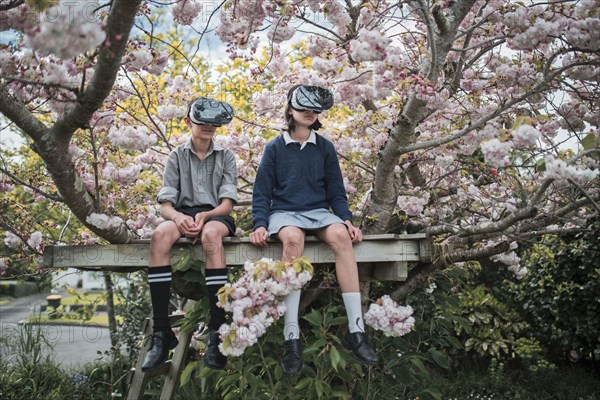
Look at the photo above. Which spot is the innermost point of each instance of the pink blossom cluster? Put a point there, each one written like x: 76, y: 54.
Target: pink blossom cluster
x: 387, y: 316
x: 35, y: 241
x: 526, y: 136
x: 103, y: 221
x: 256, y: 300
x: 496, y: 152
x: 12, y: 240
x: 561, y: 171
x: 413, y: 205
x: 123, y: 176
x: 240, y: 22
x: 67, y: 31
x: 371, y: 45
x: 138, y: 59
x: 171, y: 111
x: 186, y: 11
x: 280, y: 32
x: 131, y: 138
x: 338, y: 16
x: 6, y: 186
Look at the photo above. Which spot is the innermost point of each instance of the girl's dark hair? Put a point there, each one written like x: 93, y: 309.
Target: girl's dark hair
x: 289, y: 119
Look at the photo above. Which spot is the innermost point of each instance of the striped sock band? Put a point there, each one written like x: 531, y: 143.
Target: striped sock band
x: 159, y: 279
x: 215, y: 279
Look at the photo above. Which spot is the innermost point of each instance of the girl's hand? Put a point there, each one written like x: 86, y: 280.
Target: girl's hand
x: 259, y: 237
x: 354, y: 232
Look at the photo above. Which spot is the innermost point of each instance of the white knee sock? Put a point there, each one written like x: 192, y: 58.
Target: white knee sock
x: 291, y: 329
x: 354, y: 312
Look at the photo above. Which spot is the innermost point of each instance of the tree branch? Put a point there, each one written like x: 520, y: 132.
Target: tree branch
x: 35, y: 189
x: 9, y: 5
x: 118, y: 26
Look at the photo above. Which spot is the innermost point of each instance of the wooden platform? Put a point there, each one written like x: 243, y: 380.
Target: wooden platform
x: 390, y: 253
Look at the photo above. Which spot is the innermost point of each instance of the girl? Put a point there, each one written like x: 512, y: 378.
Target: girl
x: 298, y: 189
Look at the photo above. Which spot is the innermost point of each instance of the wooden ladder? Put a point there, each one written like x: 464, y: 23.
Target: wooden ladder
x: 172, y: 368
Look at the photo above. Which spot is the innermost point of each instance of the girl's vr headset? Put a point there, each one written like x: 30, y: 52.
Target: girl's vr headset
x: 210, y: 112
x: 311, y: 98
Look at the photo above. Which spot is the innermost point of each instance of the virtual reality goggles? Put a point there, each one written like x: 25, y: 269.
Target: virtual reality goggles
x: 210, y: 112
x: 311, y: 98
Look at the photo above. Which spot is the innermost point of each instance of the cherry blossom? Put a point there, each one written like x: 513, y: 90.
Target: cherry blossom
x: 256, y: 300
x: 185, y: 12
x: 390, y: 318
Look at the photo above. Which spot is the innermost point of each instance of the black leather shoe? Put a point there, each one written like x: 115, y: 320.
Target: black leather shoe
x: 213, y: 358
x: 357, y: 342
x: 292, y: 357
x: 162, y: 342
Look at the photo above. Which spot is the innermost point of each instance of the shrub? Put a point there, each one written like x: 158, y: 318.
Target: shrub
x: 559, y: 295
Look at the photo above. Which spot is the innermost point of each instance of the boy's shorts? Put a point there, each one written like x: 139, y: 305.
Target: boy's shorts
x: 226, y: 220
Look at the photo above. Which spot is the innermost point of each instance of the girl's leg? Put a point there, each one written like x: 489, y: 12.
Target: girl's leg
x: 293, y: 246
x: 336, y: 235
x: 216, y: 277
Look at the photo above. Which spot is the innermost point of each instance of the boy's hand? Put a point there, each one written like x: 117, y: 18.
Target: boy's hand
x: 200, y: 220
x: 186, y: 225
x: 259, y: 237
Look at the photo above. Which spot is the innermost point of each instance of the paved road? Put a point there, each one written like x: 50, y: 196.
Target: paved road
x: 72, y: 346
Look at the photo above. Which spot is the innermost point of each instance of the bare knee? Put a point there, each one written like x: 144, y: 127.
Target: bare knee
x: 339, y: 239
x: 293, y: 243
x: 211, y: 235
x: 164, y: 236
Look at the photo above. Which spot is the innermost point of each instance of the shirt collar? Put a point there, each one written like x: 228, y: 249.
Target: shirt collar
x: 312, y: 138
x: 213, y: 147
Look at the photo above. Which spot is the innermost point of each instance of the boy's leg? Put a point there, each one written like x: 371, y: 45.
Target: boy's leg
x: 293, y: 247
x: 216, y: 277
x: 159, y: 278
x: 336, y: 235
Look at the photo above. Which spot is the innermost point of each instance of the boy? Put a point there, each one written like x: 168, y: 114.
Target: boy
x: 198, y: 194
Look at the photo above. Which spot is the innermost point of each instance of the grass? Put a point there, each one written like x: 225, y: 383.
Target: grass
x: 96, y: 320
x: 5, y: 300
x: 83, y: 299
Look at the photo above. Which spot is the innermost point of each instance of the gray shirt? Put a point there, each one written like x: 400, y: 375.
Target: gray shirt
x: 189, y: 181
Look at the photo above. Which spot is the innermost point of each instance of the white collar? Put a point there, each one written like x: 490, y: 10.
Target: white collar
x: 312, y: 138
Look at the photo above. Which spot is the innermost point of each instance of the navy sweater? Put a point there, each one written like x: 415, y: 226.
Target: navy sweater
x: 290, y: 179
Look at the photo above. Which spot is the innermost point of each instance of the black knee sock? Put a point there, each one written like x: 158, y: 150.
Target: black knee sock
x: 160, y: 287
x: 215, y: 279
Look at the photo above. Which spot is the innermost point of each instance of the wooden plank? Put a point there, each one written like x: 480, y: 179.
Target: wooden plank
x: 177, y: 364
x: 134, y: 256
x: 137, y: 378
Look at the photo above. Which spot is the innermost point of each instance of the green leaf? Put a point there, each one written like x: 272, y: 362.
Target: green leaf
x: 319, y: 388
x: 540, y: 165
x: 589, y: 142
x: 304, y: 383
x: 438, y: 358
x: 194, y: 276
x: 419, y: 364
x: 434, y: 393
x: 334, y: 357
x: 314, y: 317
x: 187, y: 372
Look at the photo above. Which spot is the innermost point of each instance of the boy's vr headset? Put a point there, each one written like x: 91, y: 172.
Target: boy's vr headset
x: 210, y: 112
x: 311, y: 98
